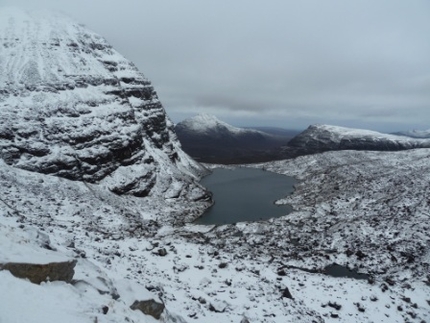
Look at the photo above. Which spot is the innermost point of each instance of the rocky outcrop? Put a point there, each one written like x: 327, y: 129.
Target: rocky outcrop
x: 38, y: 273
x: 320, y: 138
x: 149, y: 307
x: 73, y: 107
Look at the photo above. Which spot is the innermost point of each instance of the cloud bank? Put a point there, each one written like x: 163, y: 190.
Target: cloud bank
x: 281, y: 63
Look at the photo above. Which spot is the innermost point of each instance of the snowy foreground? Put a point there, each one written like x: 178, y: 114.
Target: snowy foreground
x: 365, y: 210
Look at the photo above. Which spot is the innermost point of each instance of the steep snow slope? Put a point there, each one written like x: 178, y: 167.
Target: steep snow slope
x: 73, y: 107
x: 318, y: 138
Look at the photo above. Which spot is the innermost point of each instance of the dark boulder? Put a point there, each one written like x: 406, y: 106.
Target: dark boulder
x: 149, y: 307
x: 37, y: 273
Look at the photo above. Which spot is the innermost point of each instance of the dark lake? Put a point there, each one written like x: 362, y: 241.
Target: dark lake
x: 245, y: 194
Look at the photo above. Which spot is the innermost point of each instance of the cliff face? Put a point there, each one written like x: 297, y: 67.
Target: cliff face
x: 73, y: 107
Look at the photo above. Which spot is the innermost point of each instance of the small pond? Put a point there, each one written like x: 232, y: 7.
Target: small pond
x: 245, y: 194
x: 336, y: 270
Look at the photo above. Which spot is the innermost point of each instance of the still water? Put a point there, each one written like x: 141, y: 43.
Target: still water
x: 245, y: 194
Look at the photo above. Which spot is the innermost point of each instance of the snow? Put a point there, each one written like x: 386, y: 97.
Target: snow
x: 367, y: 211
x: 416, y: 133
x: 203, y: 123
x: 337, y: 134
x: 68, y: 98
x: 190, y: 279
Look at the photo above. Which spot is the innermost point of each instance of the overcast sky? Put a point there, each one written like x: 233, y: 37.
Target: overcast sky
x: 357, y: 63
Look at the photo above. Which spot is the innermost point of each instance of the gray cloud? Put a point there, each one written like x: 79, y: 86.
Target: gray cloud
x: 286, y: 63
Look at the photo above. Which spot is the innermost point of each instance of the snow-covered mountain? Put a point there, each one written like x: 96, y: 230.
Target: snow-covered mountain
x: 91, y: 255
x: 318, y: 138
x: 209, y: 125
x: 82, y: 129
x: 209, y: 139
x: 73, y: 107
x: 415, y: 133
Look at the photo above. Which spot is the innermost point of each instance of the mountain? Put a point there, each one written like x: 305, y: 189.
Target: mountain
x: 208, y: 139
x: 414, y: 133
x: 276, y: 131
x: 75, y: 249
x: 319, y: 138
x: 87, y: 157
x: 73, y: 107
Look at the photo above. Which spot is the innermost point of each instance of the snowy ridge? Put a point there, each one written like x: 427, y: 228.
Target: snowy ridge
x: 74, y: 107
x: 210, y: 140
x: 204, y: 123
x: 415, y: 133
x: 319, y: 138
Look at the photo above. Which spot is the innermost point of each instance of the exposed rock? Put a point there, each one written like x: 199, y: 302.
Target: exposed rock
x: 217, y: 307
x: 222, y: 265
x: 73, y: 107
x: 335, y: 305
x: 38, y: 273
x: 162, y: 252
x: 286, y: 293
x: 149, y: 307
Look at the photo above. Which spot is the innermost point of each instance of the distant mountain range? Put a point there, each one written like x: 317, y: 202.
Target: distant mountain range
x: 211, y: 140
x: 320, y: 138
x: 414, y: 133
x: 208, y: 139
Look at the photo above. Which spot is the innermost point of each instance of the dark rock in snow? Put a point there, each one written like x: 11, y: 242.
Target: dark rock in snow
x: 162, y: 252
x: 38, y: 273
x: 335, y: 305
x: 286, y: 293
x: 149, y: 307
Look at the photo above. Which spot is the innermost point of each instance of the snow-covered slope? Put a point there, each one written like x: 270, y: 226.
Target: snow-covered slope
x: 363, y: 210
x: 319, y: 138
x: 72, y: 106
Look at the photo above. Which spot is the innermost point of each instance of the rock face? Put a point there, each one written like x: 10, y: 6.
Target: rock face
x: 73, y: 107
x: 209, y: 139
x: 38, y: 273
x: 320, y: 138
x: 149, y: 307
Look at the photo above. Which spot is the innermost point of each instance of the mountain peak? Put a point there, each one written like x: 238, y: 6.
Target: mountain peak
x: 73, y: 107
x: 204, y: 122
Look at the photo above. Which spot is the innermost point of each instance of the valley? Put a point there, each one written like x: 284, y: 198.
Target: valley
x: 98, y: 202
